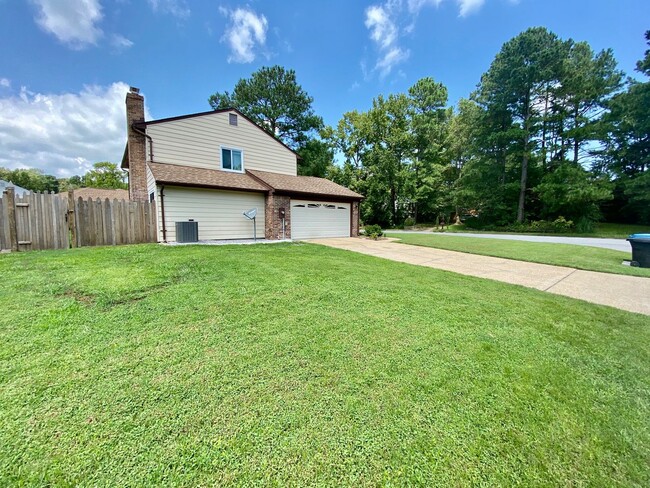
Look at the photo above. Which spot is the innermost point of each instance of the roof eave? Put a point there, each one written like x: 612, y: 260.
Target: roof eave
x: 125, y: 157
x: 203, y: 185
x: 334, y: 197
x: 142, y: 125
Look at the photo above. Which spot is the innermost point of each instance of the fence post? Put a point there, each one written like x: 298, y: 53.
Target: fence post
x: 72, y: 224
x: 11, y: 217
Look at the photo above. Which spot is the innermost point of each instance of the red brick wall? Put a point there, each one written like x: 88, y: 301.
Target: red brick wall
x: 272, y: 220
x: 137, y: 148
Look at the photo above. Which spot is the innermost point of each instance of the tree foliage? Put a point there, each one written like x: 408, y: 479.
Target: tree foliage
x: 105, y: 175
x: 626, y: 156
x: 273, y: 99
x: 316, y: 158
x: 30, y: 179
x: 393, y: 154
x: 526, y: 145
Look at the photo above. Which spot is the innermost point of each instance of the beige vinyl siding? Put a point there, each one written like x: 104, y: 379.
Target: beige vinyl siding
x: 197, y: 141
x: 313, y: 218
x: 151, y: 182
x: 218, y: 212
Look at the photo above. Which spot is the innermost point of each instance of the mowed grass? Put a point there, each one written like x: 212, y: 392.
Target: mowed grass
x: 601, y: 229
x: 296, y: 365
x: 618, y: 231
x: 570, y: 255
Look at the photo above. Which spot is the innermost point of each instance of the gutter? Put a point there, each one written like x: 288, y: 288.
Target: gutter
x: 141, y: 132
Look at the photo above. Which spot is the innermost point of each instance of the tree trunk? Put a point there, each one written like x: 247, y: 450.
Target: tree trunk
x: 544, y: 130
x: 522, y: 191
x: 524, y: 163
x: 575, y: 137
x: 417, y: 187
x: 393, y: 204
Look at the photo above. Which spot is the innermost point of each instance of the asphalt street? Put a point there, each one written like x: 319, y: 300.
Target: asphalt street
x: 616, y: 244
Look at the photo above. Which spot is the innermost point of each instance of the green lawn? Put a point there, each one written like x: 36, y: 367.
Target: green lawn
x: 570, y: 255
x: 617, y: 231
x: 602, y: 229
x: 296, y: 365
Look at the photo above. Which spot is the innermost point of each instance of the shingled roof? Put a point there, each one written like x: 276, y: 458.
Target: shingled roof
x: 252, y: 180
x: 306, y: 185
x: 100, y: 193
x: 174, y: 174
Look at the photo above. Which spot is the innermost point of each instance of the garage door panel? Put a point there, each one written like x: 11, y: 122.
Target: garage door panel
x: 311, y: 219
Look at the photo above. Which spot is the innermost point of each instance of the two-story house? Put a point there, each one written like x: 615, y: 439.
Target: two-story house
x: 210, y: 167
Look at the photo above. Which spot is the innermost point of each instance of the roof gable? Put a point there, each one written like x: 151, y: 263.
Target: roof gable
x: 214, y: 112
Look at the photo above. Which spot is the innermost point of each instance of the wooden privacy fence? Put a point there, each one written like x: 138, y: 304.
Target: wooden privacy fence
x: 52, y: 221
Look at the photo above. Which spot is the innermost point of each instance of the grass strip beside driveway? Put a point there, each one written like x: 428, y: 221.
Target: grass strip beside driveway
x: 602, y: 229
x: 296, y: 365
x: 569, y: 255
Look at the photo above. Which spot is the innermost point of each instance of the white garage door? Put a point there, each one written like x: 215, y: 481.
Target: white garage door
x: 319, y: 219
x: 218, y: 212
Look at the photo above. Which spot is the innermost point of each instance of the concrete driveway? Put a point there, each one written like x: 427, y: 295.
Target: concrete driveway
x: 615, y: 244
x: 629, y: 293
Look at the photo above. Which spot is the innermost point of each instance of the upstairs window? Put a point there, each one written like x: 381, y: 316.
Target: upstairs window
x: 232, y: 118
x: 231, y: 159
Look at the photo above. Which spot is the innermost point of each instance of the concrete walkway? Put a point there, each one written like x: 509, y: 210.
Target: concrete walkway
x: 625, y: 292
x: 615, y: 244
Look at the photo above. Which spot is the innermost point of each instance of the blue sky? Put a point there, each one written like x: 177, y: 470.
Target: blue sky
x: 65, y: 65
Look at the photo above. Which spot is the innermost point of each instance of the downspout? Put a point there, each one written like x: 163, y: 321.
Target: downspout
x: 141, y: 132
x: 162, y: 212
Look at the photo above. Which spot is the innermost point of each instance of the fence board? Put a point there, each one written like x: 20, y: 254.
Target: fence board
x: 131, y: 222
x: 39, y: 227
x: 47, y: 227
x: 3, y: 220
x: 41, y: 221
x: 99, y: 223
x: 62, y: 213
x: 34, y: 221
x: 23, y: 233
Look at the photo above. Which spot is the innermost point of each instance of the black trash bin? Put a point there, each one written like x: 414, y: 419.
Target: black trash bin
x: 640, y: 250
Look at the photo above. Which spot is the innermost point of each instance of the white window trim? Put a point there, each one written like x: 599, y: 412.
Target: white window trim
x: 221, y: 148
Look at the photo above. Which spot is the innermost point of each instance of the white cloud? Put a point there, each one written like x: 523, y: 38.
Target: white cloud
x: 385, y: 34
x: 177, y: 8
x: 63, y: 134
x: 382, y: 29
x: 73, y: 22
x: 391, y: 58
x: 5, y: 83
x: 415, y: 6
x: 383, y: 23
x: 246, y: 31
x: 120, y: 42
x: 469, y: 6
x: 465, y: 7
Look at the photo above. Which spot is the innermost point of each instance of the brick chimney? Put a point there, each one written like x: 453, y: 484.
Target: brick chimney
x: 137, y: 146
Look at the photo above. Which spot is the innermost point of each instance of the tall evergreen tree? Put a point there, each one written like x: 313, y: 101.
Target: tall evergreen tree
x: 627, y: 144
x: 515, y: 84
x: 273, y: 99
